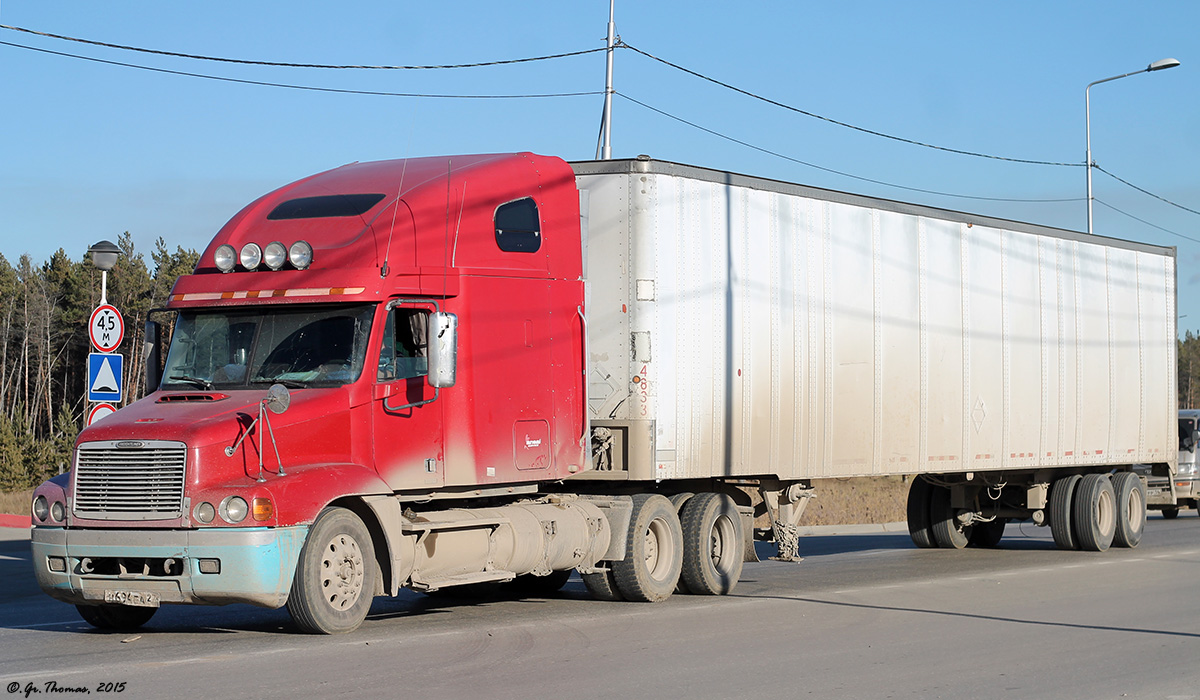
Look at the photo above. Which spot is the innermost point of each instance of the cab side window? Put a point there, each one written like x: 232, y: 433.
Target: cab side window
x: 518, y: 229
x: 405, y: 342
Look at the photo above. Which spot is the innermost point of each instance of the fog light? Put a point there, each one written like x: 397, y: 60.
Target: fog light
x: 57, y: 564
x: 251, y: 256
x: 209, y: 566
x: 301, y: 255
x: 41, y: 508
x: 234, y: 509
x: 225, y: 257
x: 263, y: 510
x: 57, y: 512
x: 205, y: 512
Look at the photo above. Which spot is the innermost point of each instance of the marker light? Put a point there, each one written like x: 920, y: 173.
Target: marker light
x: 275, y: 255
x: 251, y: 256
x: 234, y: 509
x: 301, y: 255
x: 263, y: 509
x: 225, y: 258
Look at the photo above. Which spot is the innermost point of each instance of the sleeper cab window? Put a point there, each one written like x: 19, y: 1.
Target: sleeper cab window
x: 405, y: 339
x: 518, y: 229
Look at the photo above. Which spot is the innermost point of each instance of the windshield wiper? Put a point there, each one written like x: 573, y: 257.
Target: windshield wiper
x: 289, y: 383
x: 194, y: 381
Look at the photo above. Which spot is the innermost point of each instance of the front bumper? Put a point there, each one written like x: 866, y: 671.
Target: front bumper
x: 255, y: 565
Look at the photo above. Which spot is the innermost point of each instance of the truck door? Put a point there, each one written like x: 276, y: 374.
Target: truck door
x: 407, y: 420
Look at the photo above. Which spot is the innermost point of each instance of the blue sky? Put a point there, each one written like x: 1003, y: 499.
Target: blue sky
x: 91, y: 150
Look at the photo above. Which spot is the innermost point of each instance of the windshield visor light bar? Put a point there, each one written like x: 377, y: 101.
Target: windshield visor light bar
x: 301, y: 255
x: 251, y: 256
x: 225, y: 258
x: 275, y: 255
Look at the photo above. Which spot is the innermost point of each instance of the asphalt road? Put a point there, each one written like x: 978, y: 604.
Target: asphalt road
x: 863, y: 616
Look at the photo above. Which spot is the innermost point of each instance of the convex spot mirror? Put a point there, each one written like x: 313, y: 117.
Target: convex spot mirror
x: 443, y: 349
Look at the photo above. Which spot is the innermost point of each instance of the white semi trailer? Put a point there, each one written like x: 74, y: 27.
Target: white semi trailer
x: 742, y: 327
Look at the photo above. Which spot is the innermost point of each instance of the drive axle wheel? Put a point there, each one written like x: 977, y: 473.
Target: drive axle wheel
x: 920, y: 529
x: 335, y: 577
x: 115, y: 617
x: 653, y: 551
x: 1131, y: 509
x: 712, y: 544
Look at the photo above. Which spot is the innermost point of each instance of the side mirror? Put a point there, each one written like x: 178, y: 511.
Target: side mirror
x: 443, y: 349
x: 1195, y: 440
x: 153, y: 339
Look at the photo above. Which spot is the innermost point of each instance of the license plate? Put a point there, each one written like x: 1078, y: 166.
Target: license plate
x: 1153, y: 492
x: 139, y: 599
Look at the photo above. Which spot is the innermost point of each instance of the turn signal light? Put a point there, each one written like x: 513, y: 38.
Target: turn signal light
x: 263, y: 510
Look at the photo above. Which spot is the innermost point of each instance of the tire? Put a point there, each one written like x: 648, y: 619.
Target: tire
x: 653, y: 551
x: 712, y: 544
x: 602, y: 585
x: 1170, y: 513
x: 528, y: 585
x: 1062, y: 526
x: 1094, y: 512
x: 336, y: 575
x: 920, y: 528
x: 677, y: 500
x: 1131, y: 509
x: 115, y: 617
x: 948, y: 531
x: 988, y: 534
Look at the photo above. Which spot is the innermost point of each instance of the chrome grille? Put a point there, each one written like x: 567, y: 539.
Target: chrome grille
x: 129, y: 480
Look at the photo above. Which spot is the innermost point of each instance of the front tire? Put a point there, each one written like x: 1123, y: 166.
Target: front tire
x: 336, y: 575
x: 653, y: 551
x: 712, y: 544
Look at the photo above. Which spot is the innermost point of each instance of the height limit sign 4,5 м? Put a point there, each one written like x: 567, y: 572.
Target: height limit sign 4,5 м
x: 106, y: 328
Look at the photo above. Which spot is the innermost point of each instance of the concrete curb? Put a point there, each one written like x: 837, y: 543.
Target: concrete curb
x: 7, y: 520
x: 826, y: 530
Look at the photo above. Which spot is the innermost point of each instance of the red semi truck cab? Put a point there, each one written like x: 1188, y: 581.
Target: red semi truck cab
x: 422, y: 322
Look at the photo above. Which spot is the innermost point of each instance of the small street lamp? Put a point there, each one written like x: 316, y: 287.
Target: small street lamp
x: 1087, y: 97
x: 104, y: 257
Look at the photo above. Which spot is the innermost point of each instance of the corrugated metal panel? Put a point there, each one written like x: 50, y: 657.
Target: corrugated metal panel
x: 816, y: 336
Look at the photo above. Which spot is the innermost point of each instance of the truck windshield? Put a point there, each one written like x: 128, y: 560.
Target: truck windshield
x: 298, y: 347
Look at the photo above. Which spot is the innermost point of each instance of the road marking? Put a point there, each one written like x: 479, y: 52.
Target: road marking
x: 8, y: 558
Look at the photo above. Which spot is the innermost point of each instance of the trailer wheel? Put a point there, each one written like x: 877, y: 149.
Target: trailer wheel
x: 653, y: 551
x: 1095, y: 512
x: 1062, y: 524
x: 1170, y: 513
x: 678, y: 500
x: 602, y: 585
x: 115, y: 617
x: 988, y: 534
x: 948, y: 531
x: 919, y: 527
x: 712, y: 544
x: 335, y: 577
x: 1131, y: 509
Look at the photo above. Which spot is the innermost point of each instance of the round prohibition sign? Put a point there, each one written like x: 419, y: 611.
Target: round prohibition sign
x: 99, y: 411
x: 106, y: 328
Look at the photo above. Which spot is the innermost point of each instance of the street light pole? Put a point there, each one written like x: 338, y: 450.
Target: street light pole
x: 1087, y: 101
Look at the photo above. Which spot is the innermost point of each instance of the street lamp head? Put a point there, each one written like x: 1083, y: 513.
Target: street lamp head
x: 104, y: 255
x: 1162, y: 65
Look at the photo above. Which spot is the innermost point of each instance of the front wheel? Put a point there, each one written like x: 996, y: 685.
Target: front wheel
x: 335, y: 577
x: 1170, y: 513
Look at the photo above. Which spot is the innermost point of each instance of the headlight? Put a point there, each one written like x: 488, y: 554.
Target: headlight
x: 251, y: 256
x: 205, y: 512
x: 57, y: 512
x: 275, y: 255
x: 225, y: 258
x: 300, y: 254
x: 234, y: 509
x: 41, y: 508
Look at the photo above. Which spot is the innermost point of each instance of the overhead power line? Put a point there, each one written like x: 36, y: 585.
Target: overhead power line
x: 777, y: 154
x: 872, y: 132
x: 281, y: 64
x: 1141, y: 220
x: 1144, y: 191
x: 313, y: 88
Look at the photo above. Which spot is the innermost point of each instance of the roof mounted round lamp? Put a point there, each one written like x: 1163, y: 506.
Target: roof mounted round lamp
x: 104, y: 257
